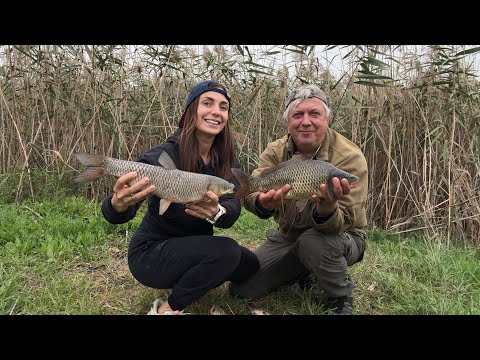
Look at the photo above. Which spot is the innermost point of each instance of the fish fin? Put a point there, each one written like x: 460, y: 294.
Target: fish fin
x: 244, y: 181
x: 354, y: 184
x: 164, y: 204
x: 300, y: 205
x: 94, y: 164
x: 295, y: 158
x: 283, y: 206
x: 298, y: 157
x: 331, y: 194
x: 90, y: 174
x: 90, y: 159
x: 166, y: 161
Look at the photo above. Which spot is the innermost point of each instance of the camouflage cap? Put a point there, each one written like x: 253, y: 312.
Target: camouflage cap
x: 304, y: 92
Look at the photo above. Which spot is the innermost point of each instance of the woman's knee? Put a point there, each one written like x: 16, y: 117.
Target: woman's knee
x: 247, y: 266
x: 227, y: 252
x: 147, y: 276
x: 226, y: 246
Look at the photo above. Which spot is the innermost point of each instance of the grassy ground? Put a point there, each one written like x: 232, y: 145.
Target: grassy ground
x: 59, y: 256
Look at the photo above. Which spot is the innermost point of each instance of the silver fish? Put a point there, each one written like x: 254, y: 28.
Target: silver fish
x: 172, y: 185
x: 304, y: 176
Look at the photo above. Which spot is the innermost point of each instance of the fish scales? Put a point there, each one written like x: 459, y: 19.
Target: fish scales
x: 304, y: 176
x: 172, y: 185
x: 175, y: 184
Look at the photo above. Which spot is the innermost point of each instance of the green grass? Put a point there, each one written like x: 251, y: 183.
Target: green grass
x: 59, y: 256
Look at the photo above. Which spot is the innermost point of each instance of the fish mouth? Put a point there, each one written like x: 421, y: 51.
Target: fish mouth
x: 354, y: 184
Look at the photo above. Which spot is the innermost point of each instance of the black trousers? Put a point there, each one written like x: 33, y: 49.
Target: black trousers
x: 190, y: 266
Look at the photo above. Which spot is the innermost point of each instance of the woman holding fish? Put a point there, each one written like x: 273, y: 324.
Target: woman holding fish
x: 174, y: 247
x: 313, y: 181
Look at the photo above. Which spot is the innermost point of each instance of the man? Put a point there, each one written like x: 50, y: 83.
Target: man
x: 328, y: 235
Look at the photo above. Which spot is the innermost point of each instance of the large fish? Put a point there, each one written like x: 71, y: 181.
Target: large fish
x: 172, y: 185
x: 304, y: 176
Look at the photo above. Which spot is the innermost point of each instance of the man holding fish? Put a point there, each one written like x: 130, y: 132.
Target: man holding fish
x: 318, y: 203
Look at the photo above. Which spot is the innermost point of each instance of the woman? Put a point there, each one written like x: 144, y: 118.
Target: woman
x: 177, y: 250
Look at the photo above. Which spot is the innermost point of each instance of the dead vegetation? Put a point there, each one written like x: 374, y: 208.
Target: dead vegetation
x: 414, y: 115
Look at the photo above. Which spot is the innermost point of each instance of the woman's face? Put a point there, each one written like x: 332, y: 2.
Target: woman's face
x: 212, y: 113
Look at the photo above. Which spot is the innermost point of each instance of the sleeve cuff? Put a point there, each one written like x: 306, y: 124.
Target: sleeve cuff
x: 261, y: 211
x: 320, y: 219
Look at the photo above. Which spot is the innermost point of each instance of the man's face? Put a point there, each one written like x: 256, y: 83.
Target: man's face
x: 308, y: 123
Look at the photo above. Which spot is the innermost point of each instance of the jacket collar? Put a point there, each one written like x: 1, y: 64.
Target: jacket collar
x: 322, y: 154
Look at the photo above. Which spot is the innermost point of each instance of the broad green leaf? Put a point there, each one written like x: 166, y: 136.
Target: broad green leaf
x: 469, y: 51
x: 248, y: 51
x: 346, y: 56
x: 374, y: 76
x: 334, y: 86
x: 376, y: 62
x: 240, y: 50
x: 296, y: 51
x: 255, y: 64
x: 368, y: 83
x: 330, y: 47
x: 366, y: 71
x: 365, y: 68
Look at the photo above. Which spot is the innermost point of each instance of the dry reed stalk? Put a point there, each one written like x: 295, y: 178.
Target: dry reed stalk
x: 451, y: 194
x: 419, y: 175
x: 24, y: 151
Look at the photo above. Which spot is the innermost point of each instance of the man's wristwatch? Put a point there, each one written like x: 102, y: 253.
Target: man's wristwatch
x: 221, y: 211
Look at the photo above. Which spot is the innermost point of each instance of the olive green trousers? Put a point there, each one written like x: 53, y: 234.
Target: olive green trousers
x: 326, y: 256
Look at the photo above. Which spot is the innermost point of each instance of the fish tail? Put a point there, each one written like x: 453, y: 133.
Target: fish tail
x: 244, y: 181
x: 94, y: 164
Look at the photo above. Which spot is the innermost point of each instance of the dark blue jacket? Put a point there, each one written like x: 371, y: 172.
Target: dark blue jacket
x: 174, y: 222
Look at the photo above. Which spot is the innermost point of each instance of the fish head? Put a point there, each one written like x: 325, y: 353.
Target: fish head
x: 352, y: 179
x: 221, y: 187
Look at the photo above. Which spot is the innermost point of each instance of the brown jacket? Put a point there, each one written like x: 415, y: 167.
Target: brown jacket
x: 350, y: 213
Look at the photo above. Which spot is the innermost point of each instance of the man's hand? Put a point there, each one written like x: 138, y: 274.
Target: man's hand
x: 272, y: 199
x: 325, y: 205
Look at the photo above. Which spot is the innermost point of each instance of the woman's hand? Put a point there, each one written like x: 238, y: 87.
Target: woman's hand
x: 206, y: 208
x: 126, y: 195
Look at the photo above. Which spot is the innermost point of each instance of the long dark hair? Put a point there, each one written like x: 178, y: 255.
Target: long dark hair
x: 221, y: 153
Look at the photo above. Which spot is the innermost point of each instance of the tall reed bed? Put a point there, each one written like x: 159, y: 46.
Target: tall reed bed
x: 414, y: 118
